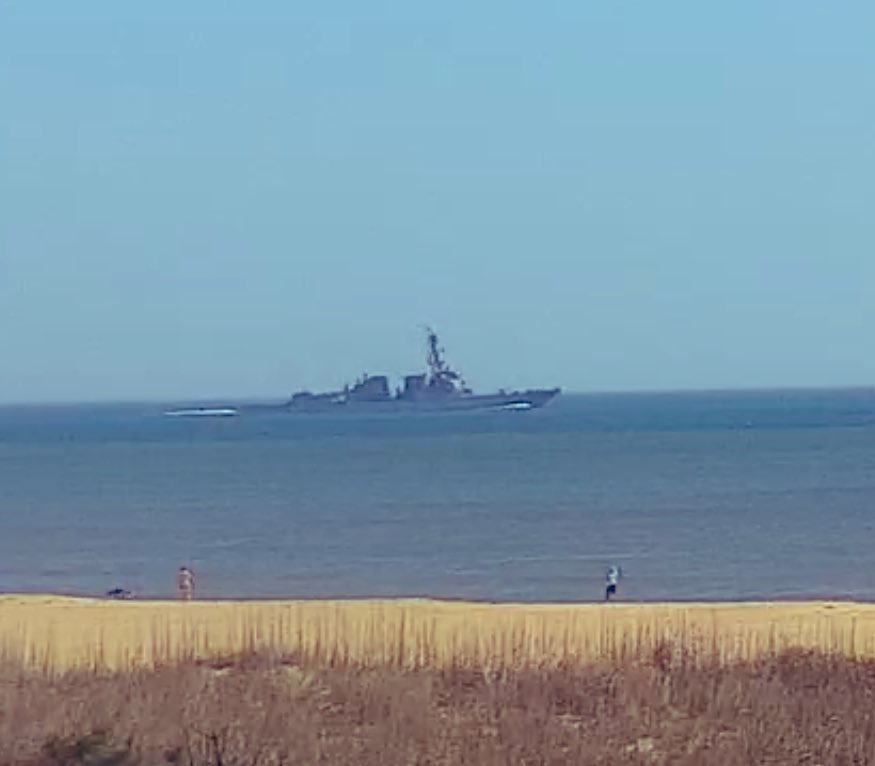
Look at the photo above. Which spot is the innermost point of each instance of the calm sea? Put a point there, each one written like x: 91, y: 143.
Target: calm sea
x: 695, y: 496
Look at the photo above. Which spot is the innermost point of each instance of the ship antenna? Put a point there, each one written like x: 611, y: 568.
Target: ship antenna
x: 433, y: 358
x: 437, y: 367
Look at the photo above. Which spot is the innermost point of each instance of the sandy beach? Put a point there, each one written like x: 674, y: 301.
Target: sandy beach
x: 57, y: 633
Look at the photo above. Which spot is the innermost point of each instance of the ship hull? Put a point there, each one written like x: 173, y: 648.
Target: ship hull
x: 518, y: 400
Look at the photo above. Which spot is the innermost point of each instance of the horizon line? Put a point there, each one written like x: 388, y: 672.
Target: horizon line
x: 239, y: 399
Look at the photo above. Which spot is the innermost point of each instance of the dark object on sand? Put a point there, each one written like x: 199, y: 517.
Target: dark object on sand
x: 119, y: 593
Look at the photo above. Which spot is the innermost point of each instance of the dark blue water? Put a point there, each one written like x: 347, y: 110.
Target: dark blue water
x: 709, y: 495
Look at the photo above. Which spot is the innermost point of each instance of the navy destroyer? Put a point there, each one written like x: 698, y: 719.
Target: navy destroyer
x: 439, y: 388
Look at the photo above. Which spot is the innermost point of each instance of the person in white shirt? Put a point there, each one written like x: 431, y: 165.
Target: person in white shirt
x: 613, y: 579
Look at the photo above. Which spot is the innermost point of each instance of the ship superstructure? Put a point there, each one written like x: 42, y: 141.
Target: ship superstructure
x: 438, y: 388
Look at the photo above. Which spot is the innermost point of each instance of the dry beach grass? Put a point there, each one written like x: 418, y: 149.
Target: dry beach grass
x: 56, y: 633
x: 391, y: 682
x: 793, y: 708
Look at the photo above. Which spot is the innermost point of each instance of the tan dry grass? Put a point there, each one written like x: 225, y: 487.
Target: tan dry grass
x: 56, y: 633
x: 794, y: 708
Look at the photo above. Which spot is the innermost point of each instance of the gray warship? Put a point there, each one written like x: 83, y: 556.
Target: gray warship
x: 440, y: 388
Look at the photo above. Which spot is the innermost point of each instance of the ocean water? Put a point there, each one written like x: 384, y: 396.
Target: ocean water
x: 695, y: 496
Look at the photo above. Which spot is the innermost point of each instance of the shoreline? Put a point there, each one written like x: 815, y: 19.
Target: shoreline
x: 53, y: 632
x: 781, y: 599
x: 789, y: 601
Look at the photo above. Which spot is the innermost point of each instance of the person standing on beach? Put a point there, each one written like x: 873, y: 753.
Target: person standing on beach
x: 185, y: 583
x: 613, y: 578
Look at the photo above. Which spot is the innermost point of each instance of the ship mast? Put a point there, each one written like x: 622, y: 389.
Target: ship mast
x: 440, y: 373
x: 436, y: 363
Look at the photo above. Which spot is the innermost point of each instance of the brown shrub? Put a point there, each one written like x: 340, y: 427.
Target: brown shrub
x: 795, y: 708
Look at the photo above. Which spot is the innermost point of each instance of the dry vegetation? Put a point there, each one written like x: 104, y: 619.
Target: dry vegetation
x: 795, y: 708
x: 103, y: 683
x: 51, y: 633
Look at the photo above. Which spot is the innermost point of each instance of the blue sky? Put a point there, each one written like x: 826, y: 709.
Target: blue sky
x: 226, y: 199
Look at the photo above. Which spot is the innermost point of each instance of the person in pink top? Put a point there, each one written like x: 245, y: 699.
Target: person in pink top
x: 185, y: 583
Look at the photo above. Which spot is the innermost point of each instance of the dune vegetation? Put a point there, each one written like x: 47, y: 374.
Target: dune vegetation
x: 56, y: 634
x: 791, y: 708
x: 406, y: 682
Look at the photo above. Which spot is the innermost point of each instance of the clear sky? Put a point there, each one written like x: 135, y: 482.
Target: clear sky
x: 243, y: 199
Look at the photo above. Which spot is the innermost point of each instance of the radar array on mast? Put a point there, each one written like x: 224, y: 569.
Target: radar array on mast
x: 441, y: 375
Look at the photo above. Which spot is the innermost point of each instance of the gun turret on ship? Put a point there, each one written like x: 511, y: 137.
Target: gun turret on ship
x: 439, y: 388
